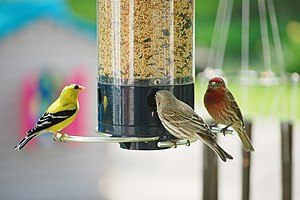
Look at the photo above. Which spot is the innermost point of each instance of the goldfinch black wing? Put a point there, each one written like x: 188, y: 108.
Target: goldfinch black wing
x: 51, y: 119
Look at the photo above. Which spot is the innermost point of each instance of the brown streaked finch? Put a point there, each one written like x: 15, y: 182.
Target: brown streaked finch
x: 223, y: 108
x: 180, y: 120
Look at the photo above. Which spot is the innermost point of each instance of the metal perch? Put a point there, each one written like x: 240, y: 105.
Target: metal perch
x: 105, y: 138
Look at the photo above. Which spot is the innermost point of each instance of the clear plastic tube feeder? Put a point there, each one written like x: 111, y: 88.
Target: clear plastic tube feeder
x: 143, y: 46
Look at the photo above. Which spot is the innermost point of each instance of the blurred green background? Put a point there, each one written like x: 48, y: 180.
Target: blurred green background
x: 289, y: 26
x: 277, y: 100
x: 287, y: 16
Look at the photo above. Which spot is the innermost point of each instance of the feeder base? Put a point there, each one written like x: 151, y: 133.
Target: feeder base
x: 130, y: 111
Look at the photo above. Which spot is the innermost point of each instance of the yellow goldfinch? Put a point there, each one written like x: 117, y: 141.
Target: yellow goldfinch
x: 59, y: 115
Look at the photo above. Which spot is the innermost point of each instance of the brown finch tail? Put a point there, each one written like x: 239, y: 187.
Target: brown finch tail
x: 215, y: 147
x: 244, y: 138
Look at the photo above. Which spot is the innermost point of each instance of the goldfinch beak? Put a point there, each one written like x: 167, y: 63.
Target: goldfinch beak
x: 81, y: 88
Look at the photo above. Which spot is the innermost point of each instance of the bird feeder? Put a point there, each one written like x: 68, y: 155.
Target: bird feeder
x: 143, y: 47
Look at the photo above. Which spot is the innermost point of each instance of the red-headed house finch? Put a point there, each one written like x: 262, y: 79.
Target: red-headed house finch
x: 223, y: 108
x: 183, y: 122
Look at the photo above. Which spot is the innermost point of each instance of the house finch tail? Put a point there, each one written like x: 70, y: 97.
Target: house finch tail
x: 244, y: 138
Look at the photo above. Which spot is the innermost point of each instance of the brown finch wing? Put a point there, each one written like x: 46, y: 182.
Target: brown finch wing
x: 186, y: 121
x: 235, y: 106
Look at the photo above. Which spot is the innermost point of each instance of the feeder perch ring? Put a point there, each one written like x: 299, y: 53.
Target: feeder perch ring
x: 168, y: 144
x: 106, y: 138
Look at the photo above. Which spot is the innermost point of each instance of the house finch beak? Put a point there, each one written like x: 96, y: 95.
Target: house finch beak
x: 184, y: 123
x: 223, y: 108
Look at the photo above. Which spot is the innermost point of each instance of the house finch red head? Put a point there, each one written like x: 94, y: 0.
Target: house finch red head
x: 223, y: 108
x: 183, y: 122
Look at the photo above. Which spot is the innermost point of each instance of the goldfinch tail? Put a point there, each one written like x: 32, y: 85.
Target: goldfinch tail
x: 24, y: 142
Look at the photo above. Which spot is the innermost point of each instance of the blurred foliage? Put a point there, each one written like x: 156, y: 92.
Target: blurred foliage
x: 84, y: 8
x: 279, y: 101
x: 287, y: 11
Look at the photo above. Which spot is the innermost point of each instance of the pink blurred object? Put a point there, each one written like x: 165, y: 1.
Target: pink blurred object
x: 29, y: 108
x: 79, y: 125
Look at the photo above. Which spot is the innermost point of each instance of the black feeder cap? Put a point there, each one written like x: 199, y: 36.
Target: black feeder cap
x: 130, y: 111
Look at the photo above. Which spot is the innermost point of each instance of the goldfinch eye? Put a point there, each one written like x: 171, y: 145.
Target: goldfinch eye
x: 76, y: 87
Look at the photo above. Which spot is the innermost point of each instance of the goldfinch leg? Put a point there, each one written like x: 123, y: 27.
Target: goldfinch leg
x: 56, y: 136
x: 59, y: 136
x: 63, y: 136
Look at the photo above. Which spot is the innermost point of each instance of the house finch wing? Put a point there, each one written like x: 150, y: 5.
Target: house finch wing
x: 235, y: 106
x: 239, y: 126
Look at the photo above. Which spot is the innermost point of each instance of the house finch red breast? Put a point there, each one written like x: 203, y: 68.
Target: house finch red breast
x: 183, y: 122
x: 223, y: 108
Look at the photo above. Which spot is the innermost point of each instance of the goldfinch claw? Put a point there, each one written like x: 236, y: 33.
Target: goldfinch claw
x: 60, y: 136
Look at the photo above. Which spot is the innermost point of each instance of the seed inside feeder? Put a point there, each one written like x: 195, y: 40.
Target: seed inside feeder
x: 145, y: 40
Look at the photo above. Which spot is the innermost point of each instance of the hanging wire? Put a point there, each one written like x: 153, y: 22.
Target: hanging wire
x: 224, y: 34
x: 295, y: 79
x: 219, y: 39
x: 216, y: 34
x: 245, y: 52
x: 279, y: 54
x: 264, y: 35
x: 276, y: 36
x: 245, y: 35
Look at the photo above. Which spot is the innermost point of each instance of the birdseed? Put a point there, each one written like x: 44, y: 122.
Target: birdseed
x: 145, y: 40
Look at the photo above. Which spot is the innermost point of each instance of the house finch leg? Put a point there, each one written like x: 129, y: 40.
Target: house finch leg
x: 223, y: 130
x: 174, y: 141
x: 188, y: 143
